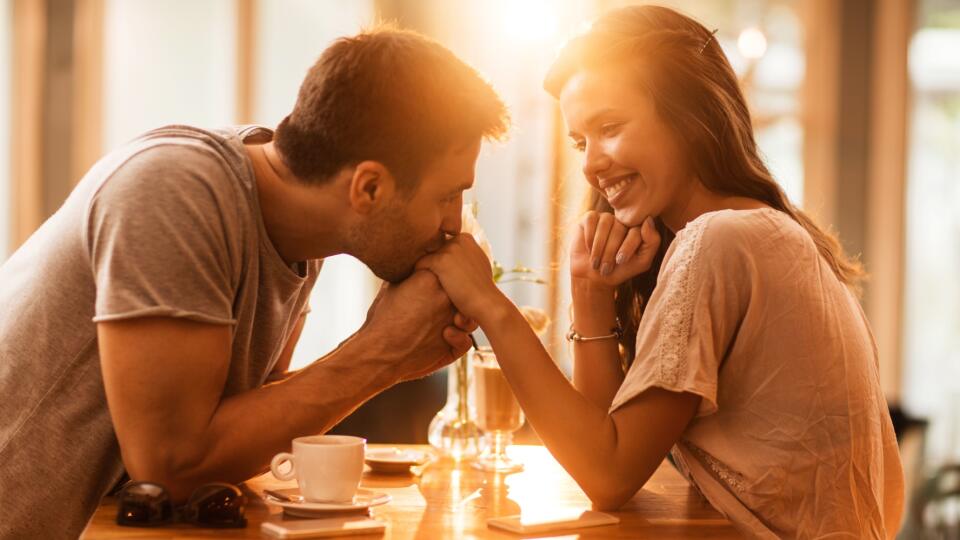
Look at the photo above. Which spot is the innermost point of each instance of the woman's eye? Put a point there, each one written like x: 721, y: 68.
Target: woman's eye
x: 579, y: 146
x: 608, y: 130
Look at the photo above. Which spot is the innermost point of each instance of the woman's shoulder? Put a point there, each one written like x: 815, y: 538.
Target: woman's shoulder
x: 730, y: 236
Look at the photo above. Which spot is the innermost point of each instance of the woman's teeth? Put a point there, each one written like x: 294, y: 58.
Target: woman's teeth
x: 618, y: 187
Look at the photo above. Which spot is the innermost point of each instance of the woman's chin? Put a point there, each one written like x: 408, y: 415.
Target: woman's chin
x: 631, y: 217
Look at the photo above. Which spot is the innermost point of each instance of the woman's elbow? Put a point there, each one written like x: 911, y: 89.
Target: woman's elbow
x: 611, y: 496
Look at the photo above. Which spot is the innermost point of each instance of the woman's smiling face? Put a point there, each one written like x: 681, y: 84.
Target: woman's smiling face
x: 630, y: 155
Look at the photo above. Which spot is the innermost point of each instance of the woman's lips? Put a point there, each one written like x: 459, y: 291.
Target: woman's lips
x: 616, y: 187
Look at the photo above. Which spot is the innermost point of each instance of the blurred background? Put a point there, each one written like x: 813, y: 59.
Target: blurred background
x: 856, y: 105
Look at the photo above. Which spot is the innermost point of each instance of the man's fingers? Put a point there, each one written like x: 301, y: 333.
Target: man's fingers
x: 425, y: 263
x: 465, y: 323
x: 458, y: 340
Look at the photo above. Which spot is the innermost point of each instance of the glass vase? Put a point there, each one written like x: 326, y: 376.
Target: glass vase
x: 452, y: 431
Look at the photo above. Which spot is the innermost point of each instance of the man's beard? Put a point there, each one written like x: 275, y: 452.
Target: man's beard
x: 387, y: 246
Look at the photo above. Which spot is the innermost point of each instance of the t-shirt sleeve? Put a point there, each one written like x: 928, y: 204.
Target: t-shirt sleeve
x: 692, y: 317
x: 157, y: 238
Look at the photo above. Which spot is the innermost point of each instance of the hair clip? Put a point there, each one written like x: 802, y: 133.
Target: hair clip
x: 707, y: 42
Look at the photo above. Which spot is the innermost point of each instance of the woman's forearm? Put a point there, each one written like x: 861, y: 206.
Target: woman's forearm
x: 596, y: 364
x: 563, y: 417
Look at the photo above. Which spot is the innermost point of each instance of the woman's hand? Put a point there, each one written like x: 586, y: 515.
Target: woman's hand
x: 605, y: 251
x: 466, y: 276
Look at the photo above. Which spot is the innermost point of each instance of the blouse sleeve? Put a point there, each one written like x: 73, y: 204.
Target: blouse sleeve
x: 692, y: 317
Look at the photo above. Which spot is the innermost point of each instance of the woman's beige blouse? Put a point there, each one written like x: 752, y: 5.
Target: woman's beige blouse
x: 792, y: 438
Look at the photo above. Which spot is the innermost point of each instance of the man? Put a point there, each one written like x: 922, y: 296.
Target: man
x: 148, y: 325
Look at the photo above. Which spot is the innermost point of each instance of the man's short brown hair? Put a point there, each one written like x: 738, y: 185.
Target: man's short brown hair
x: 387, y: 95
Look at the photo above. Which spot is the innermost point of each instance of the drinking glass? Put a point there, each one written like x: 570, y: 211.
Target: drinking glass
x: 498, y: 413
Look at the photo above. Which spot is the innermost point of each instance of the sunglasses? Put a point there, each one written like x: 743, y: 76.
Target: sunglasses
x: 147, y: 504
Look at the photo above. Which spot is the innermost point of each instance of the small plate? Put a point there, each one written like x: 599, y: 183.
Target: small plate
x: 302, y: 508
x: 395, y: 460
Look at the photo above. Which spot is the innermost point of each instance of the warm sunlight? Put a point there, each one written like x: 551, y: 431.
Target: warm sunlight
x: 530, y: 21
x: 752, y: 43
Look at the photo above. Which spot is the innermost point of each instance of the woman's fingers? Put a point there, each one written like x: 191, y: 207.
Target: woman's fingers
x: 651, y: 239
x: 629, y: 246
x: 643, y: 256
x: 609, y: 258
x: 604, y: 225
x: 650, y: 233
x: 589, y: 228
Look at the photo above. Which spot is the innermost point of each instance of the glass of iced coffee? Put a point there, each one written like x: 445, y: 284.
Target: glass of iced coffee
x: 498, y: 413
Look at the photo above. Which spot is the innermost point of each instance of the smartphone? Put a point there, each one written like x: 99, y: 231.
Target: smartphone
x: 321, y: 528
x: 554, y: 520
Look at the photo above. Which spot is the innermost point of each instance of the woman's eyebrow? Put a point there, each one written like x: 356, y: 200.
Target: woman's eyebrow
x: 592, y: 119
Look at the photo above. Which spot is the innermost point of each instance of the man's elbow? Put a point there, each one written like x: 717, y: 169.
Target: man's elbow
x: 177, y: 471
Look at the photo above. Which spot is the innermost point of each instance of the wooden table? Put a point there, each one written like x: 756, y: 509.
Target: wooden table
x: 449, y: 500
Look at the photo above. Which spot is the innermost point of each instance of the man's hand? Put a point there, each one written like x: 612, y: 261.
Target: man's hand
x: 465, y: 274
x: 417, y: 322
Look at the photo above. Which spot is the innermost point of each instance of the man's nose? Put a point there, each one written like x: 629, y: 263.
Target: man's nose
x: 453, y: 219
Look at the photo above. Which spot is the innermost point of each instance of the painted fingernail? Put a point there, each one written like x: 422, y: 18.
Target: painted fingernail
x: 620, y: 258
x: 605, y: 269
x: 596, y: 264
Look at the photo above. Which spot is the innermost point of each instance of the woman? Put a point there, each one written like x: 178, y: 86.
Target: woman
x: 748, y: 353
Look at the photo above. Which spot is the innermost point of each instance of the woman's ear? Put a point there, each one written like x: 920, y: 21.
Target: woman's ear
x: 371, y: 187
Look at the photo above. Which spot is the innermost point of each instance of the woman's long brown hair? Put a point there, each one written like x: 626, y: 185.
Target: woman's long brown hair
x: 682, y: 68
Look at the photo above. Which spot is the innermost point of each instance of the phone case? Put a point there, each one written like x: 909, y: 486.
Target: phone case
x: 322, y: 528
x: 552, y: 521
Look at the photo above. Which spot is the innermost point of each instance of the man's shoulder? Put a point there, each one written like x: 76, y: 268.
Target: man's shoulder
x: 181, y: 148
x: 173, y: 162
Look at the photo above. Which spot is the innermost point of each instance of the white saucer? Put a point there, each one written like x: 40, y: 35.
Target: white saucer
x: 299, y: 507
x: 395, y: 460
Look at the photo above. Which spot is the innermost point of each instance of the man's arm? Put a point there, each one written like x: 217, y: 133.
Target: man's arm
x: 164, y: 379
x: 279, y: 371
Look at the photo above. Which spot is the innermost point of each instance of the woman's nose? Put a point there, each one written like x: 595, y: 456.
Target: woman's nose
x: 595, y: 161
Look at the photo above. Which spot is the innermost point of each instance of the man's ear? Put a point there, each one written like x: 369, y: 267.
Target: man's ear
x: 371, y: 186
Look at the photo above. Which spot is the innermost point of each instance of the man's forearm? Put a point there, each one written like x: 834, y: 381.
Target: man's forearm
x: 247, y: 429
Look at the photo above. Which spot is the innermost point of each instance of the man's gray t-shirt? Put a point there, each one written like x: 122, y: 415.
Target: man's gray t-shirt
x: 168, y: 225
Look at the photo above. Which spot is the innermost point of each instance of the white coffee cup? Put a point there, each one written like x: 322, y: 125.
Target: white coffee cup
x: 327, y: 467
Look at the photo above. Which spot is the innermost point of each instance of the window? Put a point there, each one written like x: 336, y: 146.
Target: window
x: 289, y: 38
x: 764, y: 43
x: 932, y: 289
x: 6, y: 192
x: 167, y: 62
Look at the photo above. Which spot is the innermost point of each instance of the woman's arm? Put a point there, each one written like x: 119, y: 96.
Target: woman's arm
x: 609, y: 456
x: 596, y: 364
x: 603, y: 254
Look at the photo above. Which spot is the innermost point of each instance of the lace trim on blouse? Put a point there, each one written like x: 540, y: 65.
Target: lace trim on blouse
x: 678, y: 309
x: 724, y: 474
